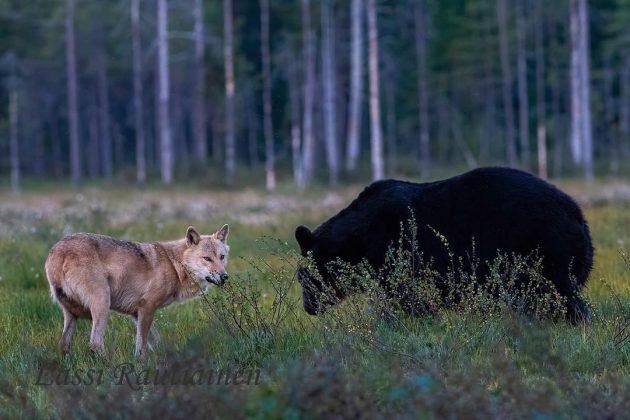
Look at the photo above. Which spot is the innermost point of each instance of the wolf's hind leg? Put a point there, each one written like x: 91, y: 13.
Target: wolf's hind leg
x: 69, y: 321
x: 99, y: 308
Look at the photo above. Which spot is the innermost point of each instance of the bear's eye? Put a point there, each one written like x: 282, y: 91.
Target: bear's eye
x: 207, y: 259
x: 222, y: 257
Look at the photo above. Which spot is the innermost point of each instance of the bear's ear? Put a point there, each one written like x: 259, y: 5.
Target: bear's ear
x: 304, y: 237
x: 192, y: 237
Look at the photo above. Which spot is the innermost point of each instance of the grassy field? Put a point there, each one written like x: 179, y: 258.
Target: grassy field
x: 348, y: 362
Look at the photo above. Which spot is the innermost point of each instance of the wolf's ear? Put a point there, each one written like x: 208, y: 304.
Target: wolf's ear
x: 192, y: 237
x: 222, y: 233
x: 304, y: 237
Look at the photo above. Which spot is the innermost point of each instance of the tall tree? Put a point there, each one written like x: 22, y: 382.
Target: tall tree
x: 391, y: 118
x: 581, y: 131
x: 163, y: 114
x: 141, y: 172
x: 423, y: 96
x: 521, y: 71
x: 270, y: 179
x: 292, y: 71
x: 506, y: 72
x: 376, y: 143
x: 329, y: 84
x: 73, y: 111
x: 103, y: 109
x: 587, y: 131
x: 541, y: 129
x: 308, y: 142
x: 199, y: 112
x: 252, y: 123
x: 94, y: 146
x: 556, y: 73
x: 624, y: 106
x: 489, y: 89
x: 228, y: 57
x: 13, y: 139
x: 356, y: 85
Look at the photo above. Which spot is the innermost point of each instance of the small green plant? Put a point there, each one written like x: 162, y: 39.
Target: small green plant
x: 622, y: 319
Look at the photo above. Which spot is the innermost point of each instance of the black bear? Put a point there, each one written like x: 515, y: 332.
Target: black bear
x: 501, y: 209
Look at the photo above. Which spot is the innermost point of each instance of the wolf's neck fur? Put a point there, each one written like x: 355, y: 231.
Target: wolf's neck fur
x: 187, y: 287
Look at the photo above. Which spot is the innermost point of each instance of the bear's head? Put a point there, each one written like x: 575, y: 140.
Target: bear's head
x: 319, y: 289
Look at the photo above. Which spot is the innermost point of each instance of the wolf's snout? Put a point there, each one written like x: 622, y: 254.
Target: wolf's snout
x: 218, y: 280
x: 223, y: 277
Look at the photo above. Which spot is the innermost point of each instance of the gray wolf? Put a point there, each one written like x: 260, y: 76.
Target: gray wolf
x: 91, y: 274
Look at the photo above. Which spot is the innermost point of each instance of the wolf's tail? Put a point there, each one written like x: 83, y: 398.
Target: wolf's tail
x: 54, y: 270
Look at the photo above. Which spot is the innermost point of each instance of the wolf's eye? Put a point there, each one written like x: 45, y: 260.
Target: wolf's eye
x: 207, y: 259
x: 222, y: 257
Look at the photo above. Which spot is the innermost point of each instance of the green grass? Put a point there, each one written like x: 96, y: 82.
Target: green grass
x: 348, y: 362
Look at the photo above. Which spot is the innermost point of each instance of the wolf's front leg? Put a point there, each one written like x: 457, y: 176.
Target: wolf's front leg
x: 154, y: 338
x: 143, y: 326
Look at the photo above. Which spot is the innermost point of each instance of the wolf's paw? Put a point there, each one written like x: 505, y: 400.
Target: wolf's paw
x: 63, y: 348
x: 140, y: 355
x: 97, y: 348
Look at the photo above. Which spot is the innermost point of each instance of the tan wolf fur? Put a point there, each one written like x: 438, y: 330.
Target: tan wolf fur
x: 90, y: 274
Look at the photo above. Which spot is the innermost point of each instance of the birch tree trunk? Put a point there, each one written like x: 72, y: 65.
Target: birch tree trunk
x: 93, y: 133
x: 391, y: 122
x: 294, y: 104
x: 581, y: 130
x: 270, y: 178
x: 141, y: 173
x: 506, y: 70
x: 356, y: 85
x: 329, y: 85
x: 541, y: 130
x: 423, y: 96
x: 181, y: 151
x: 73, y: 111
x: 308, y: 141
x: 164, y: 123
x: 587, y: 131
x: 490, y: 102
x: 523, y: 100
x: 103, y: 112
x: 376, y: 142
x: 576, y: 79
x: 624, y: 105
x: 555, y: 73
x: 13, y: 140
x: 228, y: 56
x: 252, y: 125
x: 199, y: 111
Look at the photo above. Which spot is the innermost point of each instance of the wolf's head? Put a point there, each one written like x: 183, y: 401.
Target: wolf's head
x: 206, y: 256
